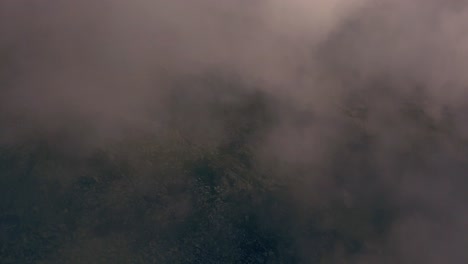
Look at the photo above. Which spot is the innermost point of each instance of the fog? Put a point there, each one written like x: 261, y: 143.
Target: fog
x: 353, y: 90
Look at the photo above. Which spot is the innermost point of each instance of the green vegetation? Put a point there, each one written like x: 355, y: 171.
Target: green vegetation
x: 166, y: 198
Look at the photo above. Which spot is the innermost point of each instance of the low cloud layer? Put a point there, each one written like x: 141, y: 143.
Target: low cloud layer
x: 85, y: 73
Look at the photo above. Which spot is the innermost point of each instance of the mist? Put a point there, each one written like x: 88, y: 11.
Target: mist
x: 338, y: 126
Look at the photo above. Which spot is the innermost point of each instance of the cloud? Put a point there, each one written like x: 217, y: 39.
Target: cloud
x: 94, y: 70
